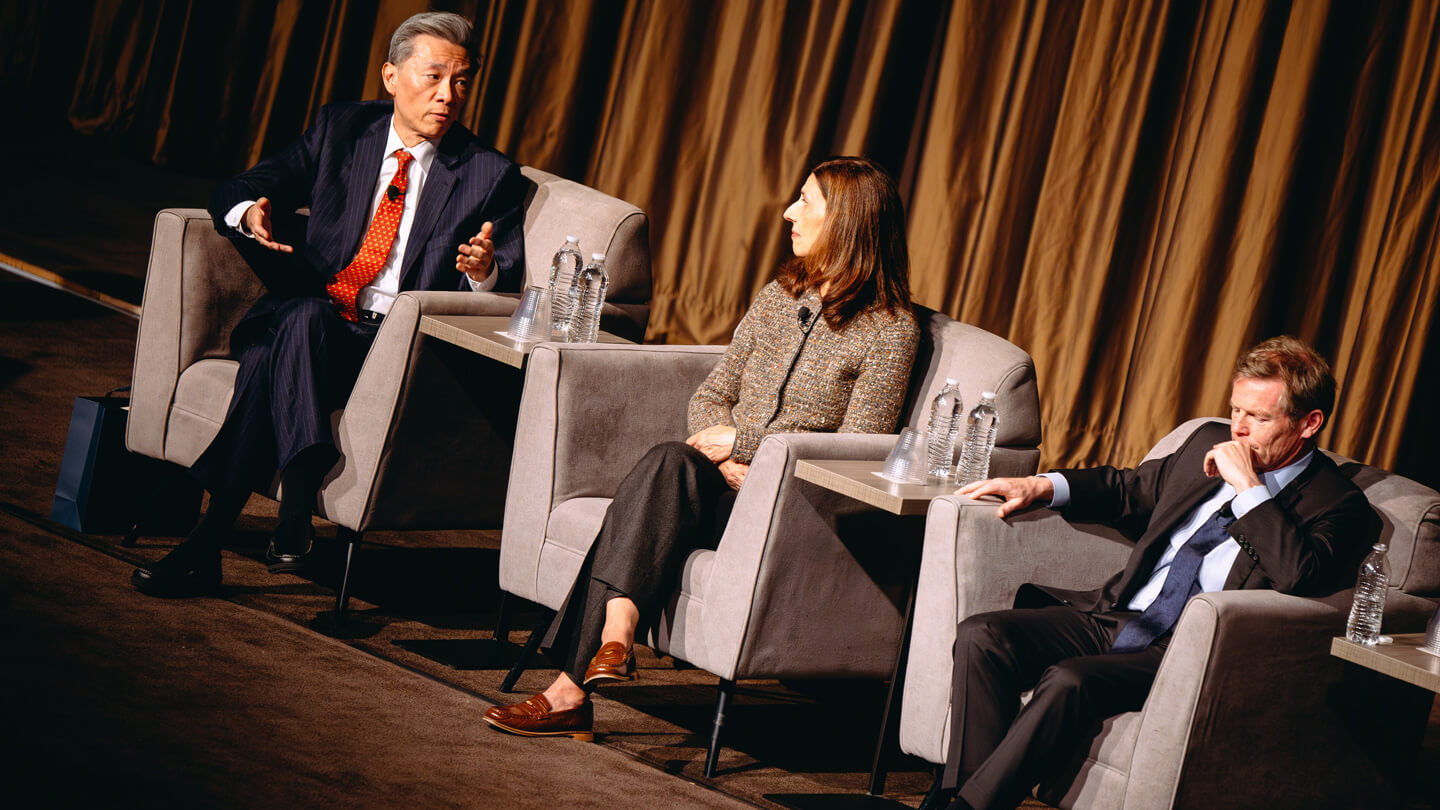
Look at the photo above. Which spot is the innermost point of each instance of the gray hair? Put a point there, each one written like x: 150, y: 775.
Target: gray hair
x: 440, y: 24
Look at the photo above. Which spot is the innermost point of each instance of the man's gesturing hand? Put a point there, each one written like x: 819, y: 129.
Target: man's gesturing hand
x: 1017, y: 492
x: 1235, y: 463
x: 475, y: 255
x: 257, y: 223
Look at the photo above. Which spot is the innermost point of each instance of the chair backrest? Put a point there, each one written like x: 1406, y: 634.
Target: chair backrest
x: 556, y: 207
x: 1410, y: 512
x: 981, y: 361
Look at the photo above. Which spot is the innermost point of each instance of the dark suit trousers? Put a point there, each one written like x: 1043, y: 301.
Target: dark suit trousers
x: 999, y: 751
x: 296, y: 367
x: 673, y: 501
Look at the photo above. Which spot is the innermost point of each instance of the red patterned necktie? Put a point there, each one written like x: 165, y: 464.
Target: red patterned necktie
x: 378, y: 241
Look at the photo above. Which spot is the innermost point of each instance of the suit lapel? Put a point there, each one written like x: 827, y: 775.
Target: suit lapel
x: 1287, y: 498
x: 360, y: 175
x: 1157, y: 537
x: 438, y: 184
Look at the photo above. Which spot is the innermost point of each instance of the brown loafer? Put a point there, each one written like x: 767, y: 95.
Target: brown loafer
x: 612, y: 663
x: 533, y: 718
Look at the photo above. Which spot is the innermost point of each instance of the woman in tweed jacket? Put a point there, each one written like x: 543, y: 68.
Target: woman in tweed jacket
x: 827, y: 346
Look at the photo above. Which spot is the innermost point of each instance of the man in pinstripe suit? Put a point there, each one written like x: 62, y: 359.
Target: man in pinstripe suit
x: 400, y: 198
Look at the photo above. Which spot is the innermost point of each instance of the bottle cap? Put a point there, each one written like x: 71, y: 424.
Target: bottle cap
x: 951, y: 381
x: 569, y: 238
x: 598, y: 257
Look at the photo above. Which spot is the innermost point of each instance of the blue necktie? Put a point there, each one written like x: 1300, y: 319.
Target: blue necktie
x: 1181, y: 583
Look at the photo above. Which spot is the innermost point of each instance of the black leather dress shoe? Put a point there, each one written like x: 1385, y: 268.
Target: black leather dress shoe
x: 186, y: 571
x: 287, y: 556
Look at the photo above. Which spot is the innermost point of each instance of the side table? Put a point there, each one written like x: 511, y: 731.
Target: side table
x: 1400, y: 659
x: 483, y: 335
x: 860, y: 480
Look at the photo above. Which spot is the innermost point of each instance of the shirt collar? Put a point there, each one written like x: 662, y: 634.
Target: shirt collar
x: 1276, y: 480
x: 423, y: 152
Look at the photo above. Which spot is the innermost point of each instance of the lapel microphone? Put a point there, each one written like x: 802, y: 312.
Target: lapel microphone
x: 804, y: 316
x: 392, y: 193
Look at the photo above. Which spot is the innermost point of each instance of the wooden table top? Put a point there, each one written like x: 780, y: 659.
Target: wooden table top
x: 482, y: 334
x: 1401, y: 659
x: 860, y: 480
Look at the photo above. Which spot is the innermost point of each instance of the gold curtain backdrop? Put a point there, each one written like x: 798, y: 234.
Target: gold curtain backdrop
x: 1132, y: 191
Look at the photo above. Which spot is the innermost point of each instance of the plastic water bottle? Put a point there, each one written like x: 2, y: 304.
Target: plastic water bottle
x: 980, y: 430
x: 563, y: 269
x: 1369, y: 606
x: 587, y: 296
x: 945, y: 412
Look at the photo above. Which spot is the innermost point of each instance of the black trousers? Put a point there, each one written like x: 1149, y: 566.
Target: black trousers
x: 295, y: 369
x: 672, y: 502
x: 998, y: 751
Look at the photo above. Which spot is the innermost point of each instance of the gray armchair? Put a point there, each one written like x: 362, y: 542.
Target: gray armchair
x: 418, y: 404
x: 750, y: 608
x: 1248, y: 705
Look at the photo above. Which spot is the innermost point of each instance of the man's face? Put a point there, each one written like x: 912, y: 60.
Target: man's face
x: 429, y: 88
x: 1258, y: 422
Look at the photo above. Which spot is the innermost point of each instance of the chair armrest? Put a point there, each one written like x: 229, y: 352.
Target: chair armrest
x: 197, y: 287
x: 806, y: 582
x: 973, y: 562
x: 1249, y: 673
x: 588, y: 413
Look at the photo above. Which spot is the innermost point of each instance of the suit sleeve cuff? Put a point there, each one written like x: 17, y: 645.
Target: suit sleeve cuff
x: 1061, y: 499
x: 1249, y: 499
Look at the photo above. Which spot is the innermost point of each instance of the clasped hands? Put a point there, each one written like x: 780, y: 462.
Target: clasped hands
x: 1233, y: 461
x: 717, y: 442
x: 473, y: 258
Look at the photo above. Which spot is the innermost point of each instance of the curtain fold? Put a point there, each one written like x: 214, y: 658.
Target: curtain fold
x: 1134, y: 191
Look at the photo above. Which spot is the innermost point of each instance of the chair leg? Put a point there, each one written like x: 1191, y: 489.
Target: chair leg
x: 531, y: 645
x: 503, y: 615
x: 725, y: 689
x: 342, y: 597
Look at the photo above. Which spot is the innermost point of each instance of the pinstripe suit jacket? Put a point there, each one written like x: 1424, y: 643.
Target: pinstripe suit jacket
x: 333, y: 168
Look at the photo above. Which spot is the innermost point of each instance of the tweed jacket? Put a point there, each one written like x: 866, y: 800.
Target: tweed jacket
x: 784, y: 375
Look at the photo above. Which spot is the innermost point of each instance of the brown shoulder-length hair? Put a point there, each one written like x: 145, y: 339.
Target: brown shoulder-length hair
x: 861, y: 249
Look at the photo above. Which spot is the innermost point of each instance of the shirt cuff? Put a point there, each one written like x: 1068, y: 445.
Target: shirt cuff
x: 1249, y: 499
x: 236, y: 218
x: 1061, y: 498
x: 488, y: 284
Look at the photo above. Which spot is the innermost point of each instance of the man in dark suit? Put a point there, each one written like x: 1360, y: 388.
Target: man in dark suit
x: 1254, y: 506
x: 401, y: 198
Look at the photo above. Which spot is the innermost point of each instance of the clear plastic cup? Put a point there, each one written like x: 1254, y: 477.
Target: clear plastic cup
x: 530, y: 320
x: 906, y: 464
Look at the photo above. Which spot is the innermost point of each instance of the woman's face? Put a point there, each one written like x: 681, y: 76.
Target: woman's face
x: 806, y: 217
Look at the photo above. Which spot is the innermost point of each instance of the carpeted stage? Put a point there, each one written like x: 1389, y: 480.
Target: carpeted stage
x: 115, y: 699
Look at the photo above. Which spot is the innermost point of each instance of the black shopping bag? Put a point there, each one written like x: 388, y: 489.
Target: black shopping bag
x: 106, y: 489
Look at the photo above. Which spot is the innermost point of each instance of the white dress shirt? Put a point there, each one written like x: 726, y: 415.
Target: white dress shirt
x: 1216, y: 565
x: 379, y: 294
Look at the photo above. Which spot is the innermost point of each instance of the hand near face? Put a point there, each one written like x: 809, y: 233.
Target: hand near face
x: 1235, y: 463
x: 1017, y: 492
x: 734, y: 472
x: 716, y: 442
x: 257, y: 222
x: 475, y: 255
